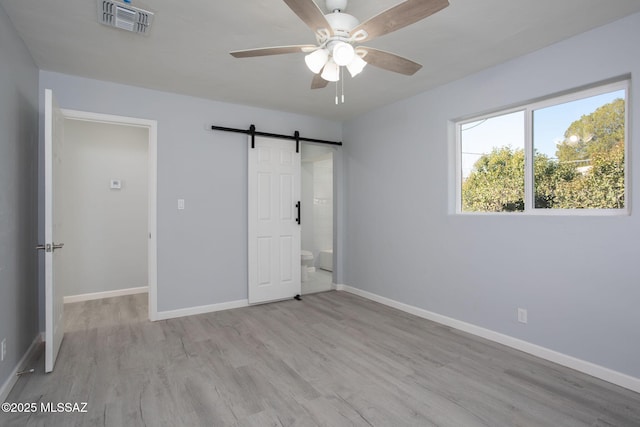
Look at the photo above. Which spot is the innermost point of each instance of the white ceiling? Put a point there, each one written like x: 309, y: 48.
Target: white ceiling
x: 187, y: 48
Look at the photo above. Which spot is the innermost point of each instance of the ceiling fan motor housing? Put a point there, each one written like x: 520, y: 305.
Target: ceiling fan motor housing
x: 342, y: 23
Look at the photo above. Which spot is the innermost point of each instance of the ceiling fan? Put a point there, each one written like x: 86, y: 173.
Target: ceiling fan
x: 339, y: 35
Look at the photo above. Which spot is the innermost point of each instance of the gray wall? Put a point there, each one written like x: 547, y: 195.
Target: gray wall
x: 104, y: 229
x: 202, y: 251
x: 18, y: 172
x: 579, y: 277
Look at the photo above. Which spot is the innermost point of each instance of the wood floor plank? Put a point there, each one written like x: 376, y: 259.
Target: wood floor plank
x: 332, y: 359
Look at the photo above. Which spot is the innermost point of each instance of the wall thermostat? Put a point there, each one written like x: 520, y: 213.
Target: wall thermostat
x: 116, y: 184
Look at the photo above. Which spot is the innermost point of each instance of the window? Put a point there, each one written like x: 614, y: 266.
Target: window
x: 561, y: 155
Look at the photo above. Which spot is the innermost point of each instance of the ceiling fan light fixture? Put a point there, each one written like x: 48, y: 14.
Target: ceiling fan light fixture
x: 331, y: 71
x: 356, y: 66
x: 316, y: 60
x: 343, y: 53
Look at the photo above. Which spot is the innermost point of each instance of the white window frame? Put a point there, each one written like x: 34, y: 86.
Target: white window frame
x: 529, y: 196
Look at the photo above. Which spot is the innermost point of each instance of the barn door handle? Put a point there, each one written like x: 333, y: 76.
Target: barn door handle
x: 298, y: 218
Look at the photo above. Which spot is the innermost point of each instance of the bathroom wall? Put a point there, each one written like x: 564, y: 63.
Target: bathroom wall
x: 317, y: 199
x: 306, y: 210
x: 322, y: 205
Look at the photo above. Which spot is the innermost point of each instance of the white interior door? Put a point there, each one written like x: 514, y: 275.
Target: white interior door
x: 274, y: 221
x: 54, y: 306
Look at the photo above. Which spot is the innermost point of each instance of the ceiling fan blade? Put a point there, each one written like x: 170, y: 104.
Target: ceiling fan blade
x: 277, y: 50
x: 311, y: 14
x: 318, y: 82
x: 389, y: 61
x: 399, y: 16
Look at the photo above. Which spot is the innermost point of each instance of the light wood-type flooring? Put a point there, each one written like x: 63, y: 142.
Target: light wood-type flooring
x: 332, y: 359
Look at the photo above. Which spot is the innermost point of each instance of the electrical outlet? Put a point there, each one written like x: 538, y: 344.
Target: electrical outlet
x: 3, y: 350
x: 522, y: 315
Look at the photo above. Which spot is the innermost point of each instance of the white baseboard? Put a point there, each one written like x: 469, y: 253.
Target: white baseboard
x: 606, y: 374
x: 13, y: 376
x: 106, y: 294
x: 191, y: 311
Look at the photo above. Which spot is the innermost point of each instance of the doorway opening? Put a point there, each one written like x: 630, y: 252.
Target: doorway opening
x: 317, y: 218
x: 108, y: 191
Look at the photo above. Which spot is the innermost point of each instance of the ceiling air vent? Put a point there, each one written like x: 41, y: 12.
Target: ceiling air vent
x: 124, y: 16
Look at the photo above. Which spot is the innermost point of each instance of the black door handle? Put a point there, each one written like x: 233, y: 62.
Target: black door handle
x: 298, y: 218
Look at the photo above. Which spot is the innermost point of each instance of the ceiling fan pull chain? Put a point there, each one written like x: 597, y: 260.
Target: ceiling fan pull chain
x: 342, y: 82
x: 336, y: 93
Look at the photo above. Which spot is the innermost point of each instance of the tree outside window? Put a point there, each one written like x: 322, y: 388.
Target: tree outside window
x: 577, y: 156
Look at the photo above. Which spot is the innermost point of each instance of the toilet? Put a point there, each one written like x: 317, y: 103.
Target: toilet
x: 306, y: 260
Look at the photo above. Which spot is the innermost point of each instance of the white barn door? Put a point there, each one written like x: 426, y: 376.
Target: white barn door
x: 274, y: 220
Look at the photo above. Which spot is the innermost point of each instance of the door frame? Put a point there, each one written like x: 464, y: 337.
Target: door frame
x: 152, y: 189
